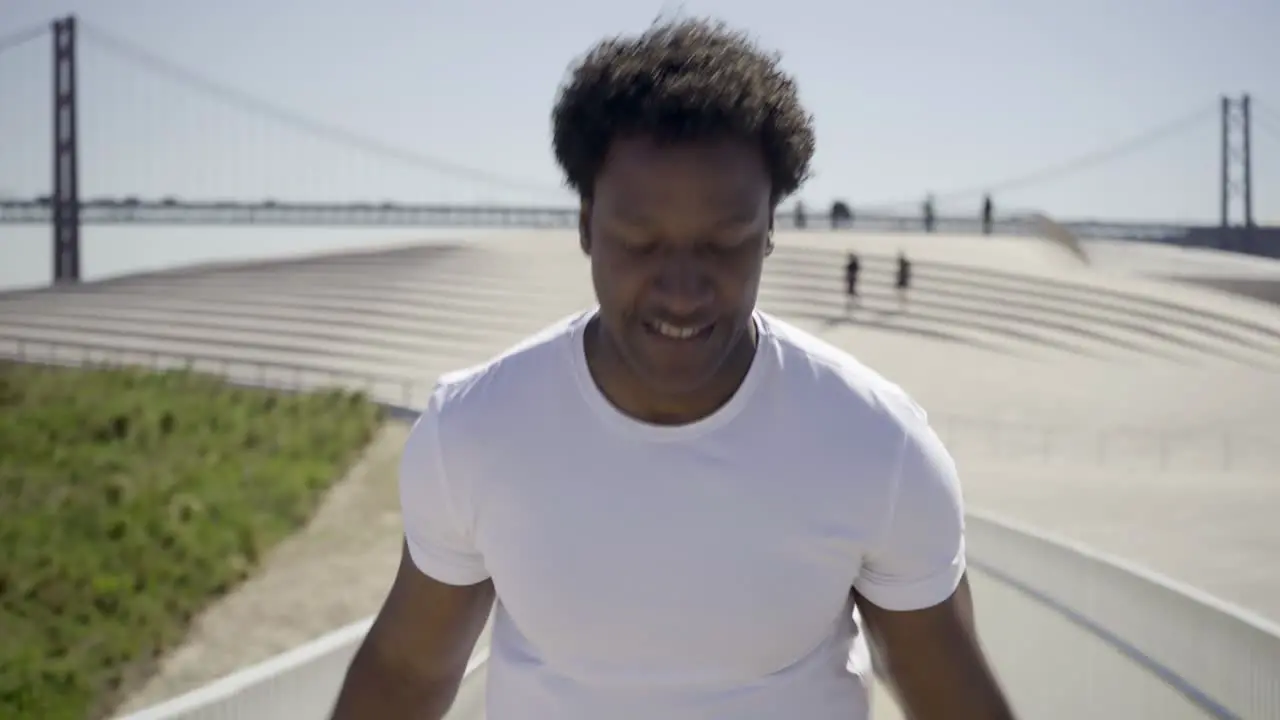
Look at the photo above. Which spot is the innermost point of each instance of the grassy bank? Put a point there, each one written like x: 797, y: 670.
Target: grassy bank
x: 129, y: 500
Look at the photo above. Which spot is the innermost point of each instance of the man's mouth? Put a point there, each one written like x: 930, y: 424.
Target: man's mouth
x: 674, y: 331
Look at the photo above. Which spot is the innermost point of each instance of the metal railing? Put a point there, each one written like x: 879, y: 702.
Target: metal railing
x: 280, y: 376
x: 107, y: 211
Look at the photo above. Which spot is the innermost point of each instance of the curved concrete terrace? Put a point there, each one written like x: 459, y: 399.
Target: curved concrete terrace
x: 1237, y: 273
x: 1129, y: 414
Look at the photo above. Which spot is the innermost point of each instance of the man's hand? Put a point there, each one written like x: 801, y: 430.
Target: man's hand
x: 413, y: 659
x: 934, y: 662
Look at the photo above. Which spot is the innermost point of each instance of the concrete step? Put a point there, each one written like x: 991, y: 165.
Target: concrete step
x: 1161, y: 336
x: 253, y: 347
x: 1092, y: 336
x: 329, y: 319
x: 412, y: 302
x: 993, y: 328
x: 1082, y: 306
x: 1201, y: 312
x: 364, y: 339
x: 491, y: 288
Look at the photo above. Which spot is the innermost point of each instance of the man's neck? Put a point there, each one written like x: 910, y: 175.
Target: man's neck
x: 628, y: 392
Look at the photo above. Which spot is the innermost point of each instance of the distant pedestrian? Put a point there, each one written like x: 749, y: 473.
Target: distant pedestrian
x: 902, y: 282
x: 988, y: 215
x: 851, y: 269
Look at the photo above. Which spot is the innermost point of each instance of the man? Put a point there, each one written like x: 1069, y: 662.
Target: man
x: 851, y: 268
x: 678, y: 501
x: 902, y: 280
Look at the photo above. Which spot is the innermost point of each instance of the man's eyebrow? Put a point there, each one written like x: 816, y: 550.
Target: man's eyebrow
x: 742, y: 216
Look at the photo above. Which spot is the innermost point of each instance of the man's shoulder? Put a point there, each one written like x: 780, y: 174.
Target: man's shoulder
x: 832, y: 381
x: 474, y: 409
x: 544, y: 357
x: 506, y: 383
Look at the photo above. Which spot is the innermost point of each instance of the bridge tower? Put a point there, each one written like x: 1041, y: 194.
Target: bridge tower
x: 1237, y: 175
x: 65, y: 199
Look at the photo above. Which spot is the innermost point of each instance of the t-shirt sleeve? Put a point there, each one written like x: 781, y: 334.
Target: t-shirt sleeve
x: 436, y: 515
x: 920, y: 557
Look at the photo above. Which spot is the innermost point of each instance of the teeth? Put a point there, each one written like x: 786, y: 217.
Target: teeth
x: 676, y: 332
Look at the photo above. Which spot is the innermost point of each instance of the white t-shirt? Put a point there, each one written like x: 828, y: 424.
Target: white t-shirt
x: 697, y: 572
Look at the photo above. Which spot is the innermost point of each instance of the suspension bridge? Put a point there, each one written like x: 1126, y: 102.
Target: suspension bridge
x: 82, y: 129
x: 995, y: 326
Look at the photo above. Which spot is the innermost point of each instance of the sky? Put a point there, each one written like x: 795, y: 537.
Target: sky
x: 908, y: 97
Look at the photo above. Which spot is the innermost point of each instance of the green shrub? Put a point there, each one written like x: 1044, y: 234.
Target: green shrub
x: 128, y: 501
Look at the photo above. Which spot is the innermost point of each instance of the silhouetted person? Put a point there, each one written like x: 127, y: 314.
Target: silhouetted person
x: 800, y: 218
x: 928, y: 214
x: 903, y: 280
x: 841, y: 215
x: 988, y: 215
x: 851, y: 269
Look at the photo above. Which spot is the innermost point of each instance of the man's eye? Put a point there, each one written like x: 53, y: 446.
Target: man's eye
x: 640, y: 248
x: 723, y: 247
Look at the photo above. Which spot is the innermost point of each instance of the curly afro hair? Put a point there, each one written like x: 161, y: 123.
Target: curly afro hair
x: 681, y: 80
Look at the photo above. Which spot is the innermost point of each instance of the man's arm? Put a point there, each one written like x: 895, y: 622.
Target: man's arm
x: 934, y: 663
x: 914, y: 597
x: 412, y: 660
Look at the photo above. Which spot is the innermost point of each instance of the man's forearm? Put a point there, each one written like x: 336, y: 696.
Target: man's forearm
x: 375, y: 688
x: 933, y: 661
x: 973, y: 694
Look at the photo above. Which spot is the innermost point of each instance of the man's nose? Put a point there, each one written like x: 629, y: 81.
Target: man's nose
x: 683, y: 286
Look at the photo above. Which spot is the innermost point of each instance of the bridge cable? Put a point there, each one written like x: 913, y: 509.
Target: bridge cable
x: 1270, y: 129
x: 22, y: 37
x: 332, y: 133
x: 1265, y: 107
x: 1264, y: 117
x: 1079, y: 163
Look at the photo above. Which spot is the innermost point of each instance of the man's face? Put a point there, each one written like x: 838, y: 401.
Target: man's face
x: 677, y: 236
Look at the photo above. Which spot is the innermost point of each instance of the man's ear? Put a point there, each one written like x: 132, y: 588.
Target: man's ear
x: 584, y: 226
